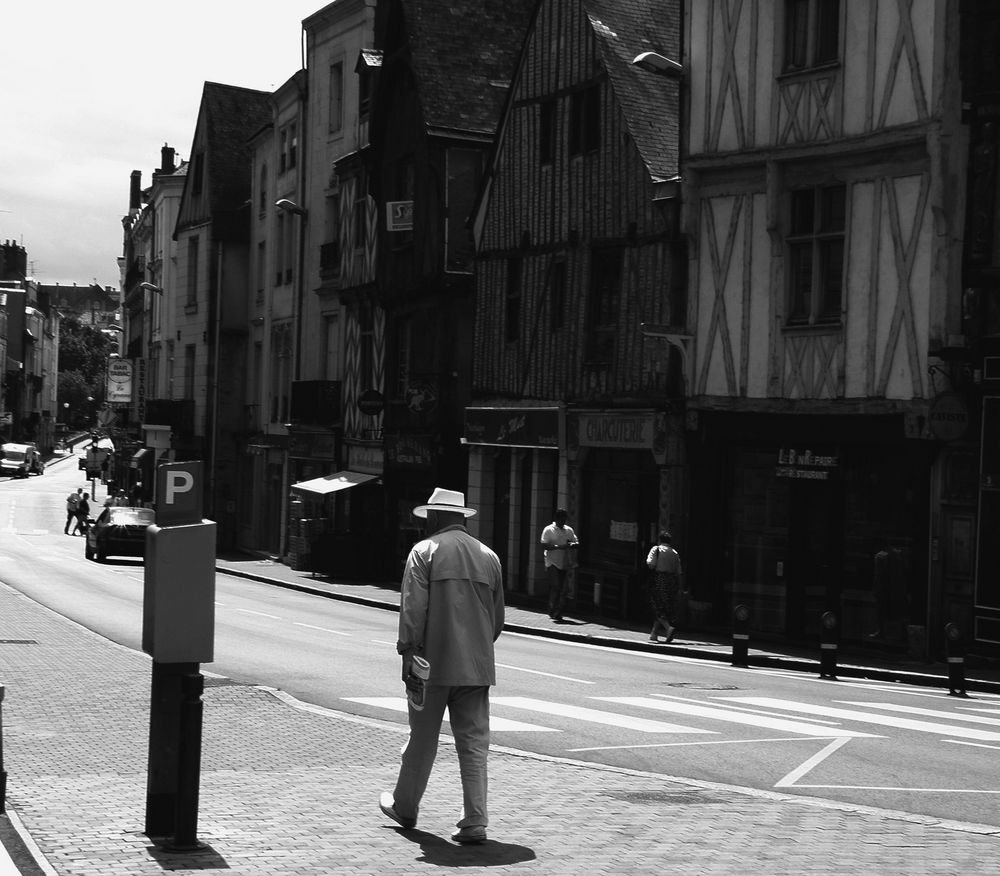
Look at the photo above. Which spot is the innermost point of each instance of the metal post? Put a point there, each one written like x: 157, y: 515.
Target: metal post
x: 185, y: 837
x: 741, y: 635
x: 164, y: 747
x: 828, y: 646
x: 955, y: 652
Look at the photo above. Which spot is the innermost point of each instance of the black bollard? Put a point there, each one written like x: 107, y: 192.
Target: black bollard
x: 741, y: 635
x: 955, y: 653
x: 185, y: 837
x: 828, y: 646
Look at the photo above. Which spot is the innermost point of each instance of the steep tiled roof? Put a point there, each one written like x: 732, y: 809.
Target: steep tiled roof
x: 463, y: 55
x: 650, y: 102
x: 231, y: 115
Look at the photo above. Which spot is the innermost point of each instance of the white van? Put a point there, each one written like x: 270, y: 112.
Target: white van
x: 20, y: 460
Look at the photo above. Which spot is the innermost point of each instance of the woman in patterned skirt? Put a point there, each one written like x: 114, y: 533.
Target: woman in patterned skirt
x: 665, y: 564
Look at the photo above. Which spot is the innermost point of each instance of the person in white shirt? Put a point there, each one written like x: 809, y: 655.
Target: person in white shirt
x: 665, y: 564
x: 560, y: 542
x: 451, y: 612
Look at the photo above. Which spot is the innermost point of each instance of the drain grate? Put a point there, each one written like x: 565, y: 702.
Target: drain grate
x: 18, y: 642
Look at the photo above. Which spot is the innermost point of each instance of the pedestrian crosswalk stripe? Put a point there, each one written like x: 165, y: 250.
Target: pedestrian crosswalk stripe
x: 594, y: 716
x: 669, y: 704
x: 871, y: 718
x: 398, y: 704
x: 928, y: 713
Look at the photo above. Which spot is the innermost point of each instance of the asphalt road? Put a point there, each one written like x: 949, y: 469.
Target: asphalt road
x: 869, y: 743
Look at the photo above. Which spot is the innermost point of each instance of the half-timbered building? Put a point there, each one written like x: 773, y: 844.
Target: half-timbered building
x: 824, y: 214
x: 442, y: 77
x: 577, y: 250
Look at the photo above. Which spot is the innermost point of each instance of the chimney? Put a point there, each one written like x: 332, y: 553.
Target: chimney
x: 167, y: 159
x: 135, y: 190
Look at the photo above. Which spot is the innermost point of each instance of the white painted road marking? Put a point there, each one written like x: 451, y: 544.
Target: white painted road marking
x: 927, y: 713
x: 871, y: 718
x: 398, y: 704
x: 548, y: 674
x: 594, y: 716
x: 813, y: 761
x: 680, y: 707
x: 322, y: 629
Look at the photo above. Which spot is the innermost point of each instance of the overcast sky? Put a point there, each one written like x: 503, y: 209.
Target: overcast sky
x: 92, y: 90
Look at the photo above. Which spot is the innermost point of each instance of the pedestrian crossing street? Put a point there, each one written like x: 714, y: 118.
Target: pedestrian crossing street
x: 676, y: 716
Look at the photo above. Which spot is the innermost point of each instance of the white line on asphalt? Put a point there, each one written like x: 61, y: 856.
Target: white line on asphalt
x: 769, y: 713
x: 382, y: 642
x: 983, y: 711
x: 723, y: 714
x: 893, y: 788
x: 398, y: 704
x: 871, y: 718
x: 549, y: 674
x: 594, y: 716
x: 927, y: 713
x: 699, y: 742
x: 907, y: 690
x: 972, y: 744
x: 259, y: 613
x: 812, y: 762
x: 321, y: 629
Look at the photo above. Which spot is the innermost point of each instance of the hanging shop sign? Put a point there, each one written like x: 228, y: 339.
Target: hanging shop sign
x: 948, y: 417
x: 806, y: 464
x: 119, y: 380
x: 512, y: 427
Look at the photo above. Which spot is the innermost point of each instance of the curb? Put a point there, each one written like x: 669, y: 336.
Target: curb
x: 763, y: 661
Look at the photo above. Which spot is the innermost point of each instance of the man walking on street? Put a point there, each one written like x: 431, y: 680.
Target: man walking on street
x: 451, y: 612
x: 72, y: 502
x: 559, y: 541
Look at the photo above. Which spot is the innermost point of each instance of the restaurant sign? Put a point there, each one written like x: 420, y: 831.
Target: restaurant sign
x: 512, y: 427
x: 805, y: 464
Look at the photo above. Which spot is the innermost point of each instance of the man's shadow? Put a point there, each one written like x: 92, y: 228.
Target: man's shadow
x: 444, y: 853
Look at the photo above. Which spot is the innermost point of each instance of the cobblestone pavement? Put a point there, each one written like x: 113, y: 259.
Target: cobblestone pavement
x: 292, y: 789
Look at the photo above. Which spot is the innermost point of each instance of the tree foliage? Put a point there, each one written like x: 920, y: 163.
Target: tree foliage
x: 83, y: 349
x: 83, y: 362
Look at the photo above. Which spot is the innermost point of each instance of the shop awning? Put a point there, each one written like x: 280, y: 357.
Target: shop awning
x: 340, y: 480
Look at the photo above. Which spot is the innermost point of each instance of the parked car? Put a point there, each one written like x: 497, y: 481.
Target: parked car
x: 20, y: 460
x: 118, y: 531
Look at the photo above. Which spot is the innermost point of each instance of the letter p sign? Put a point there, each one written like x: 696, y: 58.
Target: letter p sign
x: 179, y: 493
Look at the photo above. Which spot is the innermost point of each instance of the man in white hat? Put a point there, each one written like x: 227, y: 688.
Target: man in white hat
x: 451, y: 612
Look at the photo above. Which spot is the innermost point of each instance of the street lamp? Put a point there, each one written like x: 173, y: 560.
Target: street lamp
x: 152, y: 287
x: 654, y: 62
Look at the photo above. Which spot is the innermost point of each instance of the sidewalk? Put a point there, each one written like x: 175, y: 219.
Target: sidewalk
x: 291, y: 789
x: 867, y: 663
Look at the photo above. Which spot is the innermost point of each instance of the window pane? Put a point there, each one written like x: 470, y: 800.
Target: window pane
x: 831, y: 278
x: 576, y: 123
x: 827, y: 31
x: 546, y: 131
x: 796, y: 34
x: 799, y: 281
x: 803, y: 211
x: 834, y: 209
x: 557, y: 296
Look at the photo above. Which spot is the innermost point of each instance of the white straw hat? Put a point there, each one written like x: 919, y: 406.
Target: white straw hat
x: 444, y: 500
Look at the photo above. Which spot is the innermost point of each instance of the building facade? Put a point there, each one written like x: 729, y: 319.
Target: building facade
x: 824, y: 226
x: 577, y: 256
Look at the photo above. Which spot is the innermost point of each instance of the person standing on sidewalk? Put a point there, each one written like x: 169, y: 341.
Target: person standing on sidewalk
x: 72, y: 501
x: 451, y: 612
x: 560, y: 542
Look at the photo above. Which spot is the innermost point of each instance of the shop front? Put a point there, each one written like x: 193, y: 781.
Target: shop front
x: 515, y: 483
x: 801, y: 515
x: 626, y: 482
x: 335, y: 520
